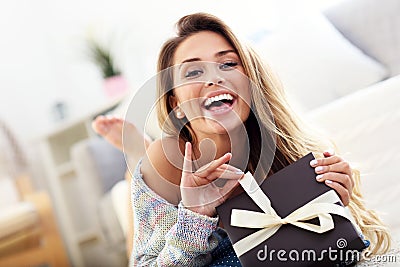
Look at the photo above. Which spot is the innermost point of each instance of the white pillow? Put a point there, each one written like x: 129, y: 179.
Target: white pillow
x: 373, y: 26
x: 315, y: 63
x: 365, y: 126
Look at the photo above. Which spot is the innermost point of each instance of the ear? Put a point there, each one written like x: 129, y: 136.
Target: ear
x: 173, y: 101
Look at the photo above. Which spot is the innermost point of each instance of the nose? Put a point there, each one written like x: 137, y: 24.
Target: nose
x: 213, y: 75
x: 216, y: 81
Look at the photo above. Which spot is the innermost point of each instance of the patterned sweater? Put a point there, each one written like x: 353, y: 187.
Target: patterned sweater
x: 169, y: 235
x: 166, y: 235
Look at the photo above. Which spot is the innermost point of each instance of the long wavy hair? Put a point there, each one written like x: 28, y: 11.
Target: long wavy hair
x: 275, y: 120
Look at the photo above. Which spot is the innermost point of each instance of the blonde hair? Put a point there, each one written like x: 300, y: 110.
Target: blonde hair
x: 292, y: 141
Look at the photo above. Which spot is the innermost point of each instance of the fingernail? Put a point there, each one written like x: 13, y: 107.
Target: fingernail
x: 328, y: 181
x: 330, y: 151
x: 319, y: 176
x: 314, y: 162
x: 239, y: 172
x: 319, y: 169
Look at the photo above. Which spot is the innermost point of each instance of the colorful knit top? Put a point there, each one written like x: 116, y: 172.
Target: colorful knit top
x: 168, y: 235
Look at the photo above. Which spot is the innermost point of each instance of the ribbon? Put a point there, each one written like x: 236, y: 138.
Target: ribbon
x: 321, y: 207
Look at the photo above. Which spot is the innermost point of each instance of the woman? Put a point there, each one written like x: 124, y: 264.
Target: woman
x: 234, y: 108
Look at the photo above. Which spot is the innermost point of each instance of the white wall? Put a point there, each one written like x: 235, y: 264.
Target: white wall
x: 42, y: 48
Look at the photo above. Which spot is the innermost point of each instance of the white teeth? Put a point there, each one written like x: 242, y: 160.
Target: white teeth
x: 220, y: 97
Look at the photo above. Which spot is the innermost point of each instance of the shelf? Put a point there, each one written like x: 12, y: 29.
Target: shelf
x: 84, y: 118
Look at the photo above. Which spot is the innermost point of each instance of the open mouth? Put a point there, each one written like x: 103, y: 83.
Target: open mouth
x: 219, y: 102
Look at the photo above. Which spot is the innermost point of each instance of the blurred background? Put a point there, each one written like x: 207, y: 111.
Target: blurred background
x: 44, y: 48
x: 65, y: 62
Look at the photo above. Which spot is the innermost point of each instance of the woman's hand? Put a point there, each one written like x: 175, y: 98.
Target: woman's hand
x: 199, y: 192
x: 336, y: 173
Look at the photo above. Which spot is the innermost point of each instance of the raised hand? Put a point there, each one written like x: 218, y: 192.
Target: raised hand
x: 198, y: 189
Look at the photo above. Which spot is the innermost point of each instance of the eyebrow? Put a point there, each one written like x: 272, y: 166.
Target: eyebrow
x: 218, y: 54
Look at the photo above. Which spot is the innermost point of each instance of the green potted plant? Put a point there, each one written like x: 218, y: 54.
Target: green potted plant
x: 115, y: 84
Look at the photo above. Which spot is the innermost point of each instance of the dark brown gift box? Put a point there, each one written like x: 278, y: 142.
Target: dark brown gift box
x: 289, y: 189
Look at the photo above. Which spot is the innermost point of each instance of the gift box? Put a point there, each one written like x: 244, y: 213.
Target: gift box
x: 290, y: 220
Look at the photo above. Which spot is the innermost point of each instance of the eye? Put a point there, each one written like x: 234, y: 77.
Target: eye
x: 192, y: 70
x: 228, y: 65
x: 193, y: 73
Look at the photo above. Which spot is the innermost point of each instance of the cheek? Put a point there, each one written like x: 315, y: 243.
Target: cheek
x: 243, y: 91
x: 244, y: 103
x: 188, y: 99
x: 240, y: 84
x: 244, y: 112
x: 187, y: 92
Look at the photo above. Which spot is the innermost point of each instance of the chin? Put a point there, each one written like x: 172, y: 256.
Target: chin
x: 223, y: 127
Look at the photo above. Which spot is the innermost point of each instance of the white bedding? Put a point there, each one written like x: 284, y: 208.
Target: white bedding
x: 365, y: 126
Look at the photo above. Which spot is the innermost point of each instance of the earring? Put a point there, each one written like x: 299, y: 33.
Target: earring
x: 179, y: 114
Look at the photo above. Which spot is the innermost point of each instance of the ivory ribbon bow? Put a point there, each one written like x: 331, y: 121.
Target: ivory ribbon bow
x: 270, y: 222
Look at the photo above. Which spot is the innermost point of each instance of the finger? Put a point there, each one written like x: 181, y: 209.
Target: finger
x: 224, y: 174
x: 208, y: 168
x: 342, y: 179
x: 340, y: 167
x: 325, y: 161
x: 343, y: 193
x: 215, y: 175
x: 187, y: 159
x: 230, y: 168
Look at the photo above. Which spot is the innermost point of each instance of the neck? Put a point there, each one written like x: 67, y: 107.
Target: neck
x: 213, y: 146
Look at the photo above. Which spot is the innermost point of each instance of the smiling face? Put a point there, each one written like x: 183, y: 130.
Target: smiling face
x: 210, y: 86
